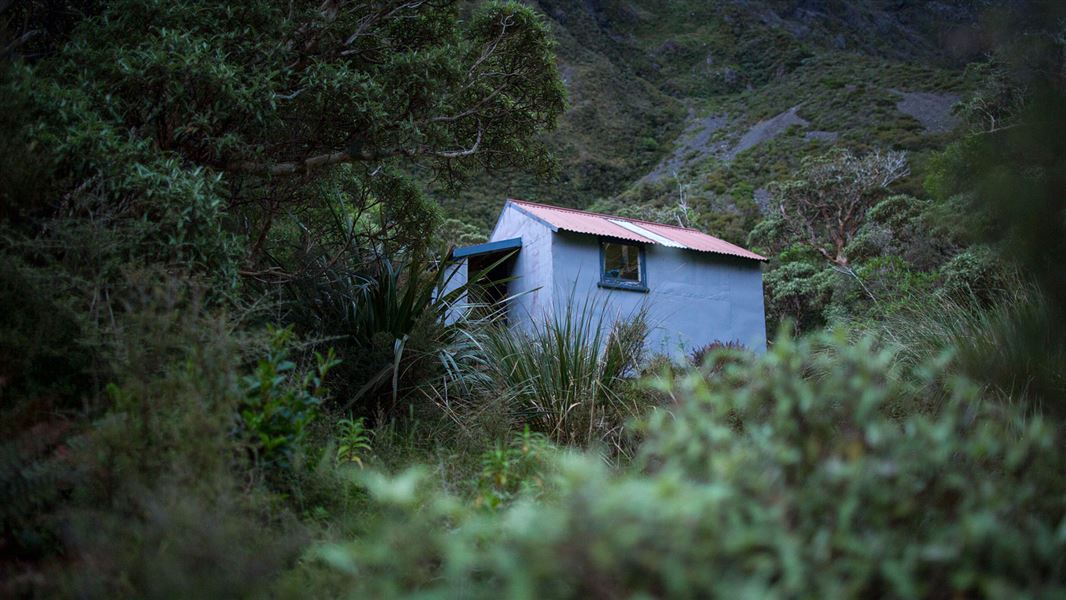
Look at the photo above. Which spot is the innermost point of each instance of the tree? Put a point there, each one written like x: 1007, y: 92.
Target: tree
x: 251, y: 145
x: 1007, y: 178
x: 310, y: 113
x: 827, y: 205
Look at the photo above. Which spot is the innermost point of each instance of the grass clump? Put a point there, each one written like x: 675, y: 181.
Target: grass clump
x: 566, y: 375
x: 1006, y: 341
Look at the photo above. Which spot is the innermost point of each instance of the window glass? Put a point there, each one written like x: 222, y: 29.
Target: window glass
x: 621, y: 262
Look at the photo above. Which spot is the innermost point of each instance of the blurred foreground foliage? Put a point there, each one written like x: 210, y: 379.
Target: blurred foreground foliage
x: 820, y: 469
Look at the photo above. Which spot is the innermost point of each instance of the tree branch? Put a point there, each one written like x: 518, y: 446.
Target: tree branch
x: 292, y: 167
x: 341, y: 157
x: 849, y: 271
x: 21, y: 40
x: 461, y: 153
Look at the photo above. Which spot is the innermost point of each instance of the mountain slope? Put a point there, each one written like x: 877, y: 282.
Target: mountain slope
x: 722, y: 98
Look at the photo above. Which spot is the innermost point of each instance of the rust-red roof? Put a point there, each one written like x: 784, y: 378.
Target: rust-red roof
x: 636, y: 230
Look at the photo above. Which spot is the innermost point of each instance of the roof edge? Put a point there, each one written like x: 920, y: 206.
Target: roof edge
x: 518, y: 205
x: 604, y: 215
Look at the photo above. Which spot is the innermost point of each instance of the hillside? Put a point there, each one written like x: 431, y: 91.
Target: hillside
x: 722, y: 98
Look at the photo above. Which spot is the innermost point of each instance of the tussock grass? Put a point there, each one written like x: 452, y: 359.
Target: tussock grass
x: 1005, y: 342
x: 568, y: 375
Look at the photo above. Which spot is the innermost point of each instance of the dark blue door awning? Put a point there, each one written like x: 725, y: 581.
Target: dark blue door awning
x: 487, y: 248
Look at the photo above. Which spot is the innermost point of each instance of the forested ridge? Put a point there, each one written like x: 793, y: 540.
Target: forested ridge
x: 227, y: 366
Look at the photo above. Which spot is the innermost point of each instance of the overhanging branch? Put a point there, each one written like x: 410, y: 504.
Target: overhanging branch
x: 343, y: 156
x: 291, y: 167
x: 461, y: 153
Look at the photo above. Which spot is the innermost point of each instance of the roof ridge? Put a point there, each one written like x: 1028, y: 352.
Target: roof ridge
x: 589, y: 212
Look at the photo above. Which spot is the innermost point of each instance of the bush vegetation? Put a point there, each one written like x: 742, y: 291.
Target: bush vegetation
x: 231, y: 362
x: 821, y: 469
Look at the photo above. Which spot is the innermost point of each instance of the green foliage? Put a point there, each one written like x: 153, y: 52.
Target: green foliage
x: 566, y: 375
x: 877, y: 287
x: 279, y: 405
x: 188, y: 136
x: 804, y: 473
x: 38, y: 333
x: 1007, y: 179
x: 845, y: 446
x: 158, y: 497
x: 454, y: 232
x: 845, y: 251
x: 33, y: 477
x: 353, y: 440
x: 394, y: 328
x: 903, y: 226
x: 799, y: 290
x: 167, y: 211
x: 826, y: 205
x: 514, y: 470
x: 167, y: 163
x: 217, y: 84
x: 977, y: 272
x: 714, y: 356
x: 897, y: 251
x: 990, y: 338
x: 173, y: 540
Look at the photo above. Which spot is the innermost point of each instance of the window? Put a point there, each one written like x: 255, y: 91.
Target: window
x: 623, y: 266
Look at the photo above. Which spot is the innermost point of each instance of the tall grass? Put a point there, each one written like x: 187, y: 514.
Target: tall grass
x: 1005, y: 343
x: 567, y: 375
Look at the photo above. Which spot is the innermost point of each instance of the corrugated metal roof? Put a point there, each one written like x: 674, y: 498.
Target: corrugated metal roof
x: 580, y: 221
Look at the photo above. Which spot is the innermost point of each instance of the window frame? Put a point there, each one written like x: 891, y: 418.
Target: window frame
x: 623, y: 284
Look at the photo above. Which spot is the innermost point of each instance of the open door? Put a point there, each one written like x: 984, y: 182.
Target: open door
x: 493, y: 265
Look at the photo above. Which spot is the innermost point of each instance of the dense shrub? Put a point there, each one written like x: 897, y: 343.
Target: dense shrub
x: 821, y: 469
x: 39, y: 334
x: 799, y: 290
x: 204, y: 438
x: 161, y: 498
x: 279, y: 404
x: 976, y: 272
x: 713, y: 355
